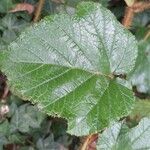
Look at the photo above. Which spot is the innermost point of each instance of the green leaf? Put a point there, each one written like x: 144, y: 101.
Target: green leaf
x: 4, y: 128
x: 4, y: 131
x: 17, y: 137
x: 141, y: 19
x: 104, y: 2
x: 47, y: 143
x: 141, y: 109
x: 5, y: 5
x: 73, y: 3
x: 65, y: 65
x: 3, y: 57
x: 3, y: 141
x: 140, y: 32
x: 119, y: 136
x: 141, y: 74
x: 26, y: 117
x: 12, y: 26
x: 27, y: 148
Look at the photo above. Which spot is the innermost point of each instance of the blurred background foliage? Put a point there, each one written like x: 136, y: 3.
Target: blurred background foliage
x: 23, y: 127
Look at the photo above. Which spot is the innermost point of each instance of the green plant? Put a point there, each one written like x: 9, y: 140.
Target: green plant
x: 73, y: 72
x: 119, y: 135
x: 80, y: 68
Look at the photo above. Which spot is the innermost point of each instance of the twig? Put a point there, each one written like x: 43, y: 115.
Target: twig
x: 129, y: 14
x: 38, y: 10
x: 5, y: 90
x: 140, y: 6
x: 130, y: 11
x: 88, y: 142
x: 147, y: 35
x: 5, y: 93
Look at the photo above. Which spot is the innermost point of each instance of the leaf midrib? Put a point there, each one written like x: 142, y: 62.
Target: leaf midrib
x: 97, y: 73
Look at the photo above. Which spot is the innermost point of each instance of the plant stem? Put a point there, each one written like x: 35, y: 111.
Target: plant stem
x: 128, y: 17
x: 88, y: 142
x: 147, y: 35
x: 6, y: 91
x: 38, y: 10
x: 140, y: 6
x: 137, y: 7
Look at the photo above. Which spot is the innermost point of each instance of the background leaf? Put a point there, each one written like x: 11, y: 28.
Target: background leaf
x: 141, y: 109
x: 141, y: 75
x: 26, y: 117
x: 5, y: 5
x: 32, y: 128
x: 119, y: 136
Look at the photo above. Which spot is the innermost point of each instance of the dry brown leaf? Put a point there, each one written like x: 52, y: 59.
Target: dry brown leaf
x: 23, y: 7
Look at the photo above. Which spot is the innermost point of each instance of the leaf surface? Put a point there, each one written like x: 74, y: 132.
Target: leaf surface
x: 119, y: 136
x: 65, y: 65
x: 141, y: 109
x: 26, y: 117
x: 141, y: 74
